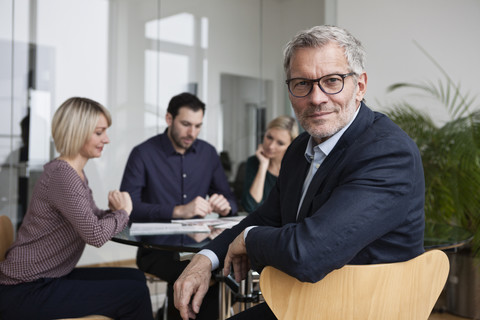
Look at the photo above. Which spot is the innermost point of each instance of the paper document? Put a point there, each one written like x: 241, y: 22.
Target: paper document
x: 148, y: 228
x: 184, y: 226
x: 218, y: 223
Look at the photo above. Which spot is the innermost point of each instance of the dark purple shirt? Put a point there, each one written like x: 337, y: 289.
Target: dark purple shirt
x: 158, y: 178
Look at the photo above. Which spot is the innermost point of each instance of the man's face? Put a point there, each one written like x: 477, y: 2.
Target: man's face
x: 184, y: 129
x: 323, y: 115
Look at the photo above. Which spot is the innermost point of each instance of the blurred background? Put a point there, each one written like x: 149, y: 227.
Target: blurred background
x: 134, y: 55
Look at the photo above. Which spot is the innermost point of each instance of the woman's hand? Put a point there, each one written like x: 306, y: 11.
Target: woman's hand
x: 258, y: 183
x: 264, y: 161
x: 118, y: 200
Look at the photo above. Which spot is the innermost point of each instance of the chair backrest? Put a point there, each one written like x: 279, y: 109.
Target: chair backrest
x: 404, y: 290
x: 6, y: 235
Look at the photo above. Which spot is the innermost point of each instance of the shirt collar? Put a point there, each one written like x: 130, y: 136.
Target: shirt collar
x: 168, y: 145
x: 327, y: 146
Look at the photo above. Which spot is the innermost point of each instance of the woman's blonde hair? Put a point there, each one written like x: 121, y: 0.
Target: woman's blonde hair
x: 286, y: 123
x: 74, y: 122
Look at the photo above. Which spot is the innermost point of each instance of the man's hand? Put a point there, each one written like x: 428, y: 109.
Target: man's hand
x: 237, y: 257
x: 194, y: 281
x: 219, y: 204
x: 197, y: 207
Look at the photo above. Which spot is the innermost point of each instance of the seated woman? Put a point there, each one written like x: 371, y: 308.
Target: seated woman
x: 263, y: 168
x: 38, y: 279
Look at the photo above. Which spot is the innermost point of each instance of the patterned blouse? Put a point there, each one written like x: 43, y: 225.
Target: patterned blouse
x: 60, y: 219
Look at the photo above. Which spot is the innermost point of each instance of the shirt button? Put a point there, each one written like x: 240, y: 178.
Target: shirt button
x: 317, y: 166
x: 184, y: 196
x: 184, y: 175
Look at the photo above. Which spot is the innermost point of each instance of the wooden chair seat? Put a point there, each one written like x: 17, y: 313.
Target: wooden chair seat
x: 396, y: 291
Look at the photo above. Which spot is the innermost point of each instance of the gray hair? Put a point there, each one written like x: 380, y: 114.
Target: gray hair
x: 320, y: 36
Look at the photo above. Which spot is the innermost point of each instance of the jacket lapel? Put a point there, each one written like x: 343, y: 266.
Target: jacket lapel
x: 318, y: 179
x: 296, y: 168
x: 361, y: 122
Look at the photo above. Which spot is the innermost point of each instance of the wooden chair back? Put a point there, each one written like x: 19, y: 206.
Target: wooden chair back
x: 6, y: 235
x: 397, y: 291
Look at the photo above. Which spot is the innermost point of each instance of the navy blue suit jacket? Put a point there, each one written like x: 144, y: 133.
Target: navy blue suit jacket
x: 364, y: 205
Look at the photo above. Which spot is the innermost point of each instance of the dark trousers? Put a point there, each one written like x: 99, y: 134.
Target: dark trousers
x: 259, y: 311
x: 166, y: 266
x: 119, y: 293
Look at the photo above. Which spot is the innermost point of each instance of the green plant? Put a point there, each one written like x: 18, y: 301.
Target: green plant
x: 450, y: 152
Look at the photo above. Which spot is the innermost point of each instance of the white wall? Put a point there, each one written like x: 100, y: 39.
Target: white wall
x: 447, y: 30
x: 282, y: 19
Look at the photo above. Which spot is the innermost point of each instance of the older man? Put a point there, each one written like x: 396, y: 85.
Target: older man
x: 350, y: 190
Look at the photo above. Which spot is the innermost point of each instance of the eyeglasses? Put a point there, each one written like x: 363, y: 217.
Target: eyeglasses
x: 329, y: 84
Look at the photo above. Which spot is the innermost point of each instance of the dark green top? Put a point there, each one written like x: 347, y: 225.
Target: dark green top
x: 249, y: 204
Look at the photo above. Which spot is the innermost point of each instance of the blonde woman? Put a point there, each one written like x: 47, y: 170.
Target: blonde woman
x: 263, y: 168
x: 38, y: 279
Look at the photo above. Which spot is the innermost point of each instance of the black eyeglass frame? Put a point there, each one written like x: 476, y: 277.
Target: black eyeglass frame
x: 343, y: 76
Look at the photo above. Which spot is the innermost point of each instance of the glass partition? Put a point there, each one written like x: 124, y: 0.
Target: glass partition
x: 133, y: 56
x: 193, y: 46
x: 15, y: 51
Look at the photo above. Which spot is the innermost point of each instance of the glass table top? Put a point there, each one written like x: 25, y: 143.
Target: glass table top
x: 159, y: 242
x: 445, y: 236
x: 437, y: 236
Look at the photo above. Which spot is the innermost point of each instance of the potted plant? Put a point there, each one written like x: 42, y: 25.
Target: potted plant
x: 451, y: 160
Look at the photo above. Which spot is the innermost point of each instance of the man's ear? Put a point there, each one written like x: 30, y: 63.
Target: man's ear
x: 362, y: 86
x: 168, y: 119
